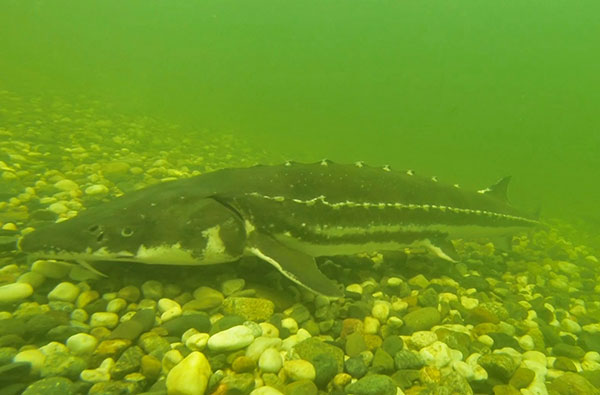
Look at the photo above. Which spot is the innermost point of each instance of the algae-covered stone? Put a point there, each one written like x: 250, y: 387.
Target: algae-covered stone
x: 141, y: 322
x: 406, y: 359
x: 299, y: 369
x: 567, y: 350
x: 128, y: 362
x: 178, y: 325
x: 309, y: 348
x: 522, y: 378
x: 190, y: 376
x: 270, y: 361
x: 498, y: 365
x: 65, y: 291
x: 253, y: 309
x: 573, y: 384
x: 375, y: 384
x: 51, y: 386
x: 82, y: 343
x: 421, y: 319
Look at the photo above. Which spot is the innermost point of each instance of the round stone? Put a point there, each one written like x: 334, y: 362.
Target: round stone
x: 116, y: 305
x: 82, y: 343
x: 15, y: 292
x: 65, y: 292
x: 96, y: 189
x: 190, y: 376
x: 231, y: 339
x: 104, y: 319
x: 50, y: 269
x: 299, y: 369
x: 130, y: 293
x: 270, y: 361
x: 165, y: 304
x: 152, y: 289
x: 229, y: 287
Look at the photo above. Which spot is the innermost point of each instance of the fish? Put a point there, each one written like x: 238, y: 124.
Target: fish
x: 286, y: 215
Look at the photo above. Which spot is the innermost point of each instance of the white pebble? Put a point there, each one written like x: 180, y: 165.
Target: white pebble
x: 79, y: 315
x: 371, y: 325
x: 82, y: 343
x: 94, y: 375
x: 437, y: 354
x: 260, y: 344
x: 355, y: 288
x: 173, y: 312
x: 422, y: 339
x: 299, y: 369
x: 265, y: 390
x: 165, y: 304
x: 96, y: 189
x: 269, y: 330
x: 58, y: 208
x: 588, y: 365
x: 486, y: 340
x: 15, y: 292
x: 464, y: 369
x: 197, y: 342
x: 231, y: 339
x: 108, y: 320
x: 381, y: 310
x: 270, y: 361
x: 570, y: 326
x: 190, y: 376
x: 64, y: 292
x: 32, y: 278
x: 592, y: 356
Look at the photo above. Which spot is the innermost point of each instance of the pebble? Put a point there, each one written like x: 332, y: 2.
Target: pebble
x: 51, y: 386
x: 130, y: 293
x: 206, y: 298
x: 229, y: 287
x: 422, y: 339
x: 34, y: 356
x: 82, y: 343
x: 97, y: 189
x: 15, y: 292
x: 469, y: 303
x: 32, y: 278
x: 381, y: 311
x: 421, y: 319
x: 270, y: 361
x: 50, y: 269
x: 231, y: 339
x: 152, y: 289
x: 266, y: 390
x: 299, y: 369
x: 522, y: 378
x: 104, y: 319
x: 66, y: 185
x: 253, y: 309
x: 165, y: 304
x: 372, y: 384
x: 116, y: 305
x: 260, y: 344
x: 86, y: 297
x: 190, y: 376
x: 65, y: 292
x: 437, y: 354
x: 290, y: 324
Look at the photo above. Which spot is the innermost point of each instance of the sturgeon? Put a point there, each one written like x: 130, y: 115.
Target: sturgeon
x: 286, y: 215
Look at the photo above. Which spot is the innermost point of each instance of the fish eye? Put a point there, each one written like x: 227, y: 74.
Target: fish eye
x: 126, y: 232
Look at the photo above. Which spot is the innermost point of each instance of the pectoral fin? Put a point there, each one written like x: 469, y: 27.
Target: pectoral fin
x: 295, y: 265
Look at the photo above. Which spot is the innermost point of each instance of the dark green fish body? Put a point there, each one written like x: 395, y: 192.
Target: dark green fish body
x: 286, y: 215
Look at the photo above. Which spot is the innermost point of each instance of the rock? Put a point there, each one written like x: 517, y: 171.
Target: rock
x: 422, y: 339
x: 178, y: 325
x: 104, y: 319
x: 572, y: 384
x: 32, y: 356
x: 152, y: 289
x: 392, y: 344
x: 437, y: 354
x: 237, y: 384
x: 82, y: 343
x: 567, y: 350
x: 270, y: 361
x: 356, y: 367
x: 406, y: 359
x: 522, y: 378
x: 141, y: 322
x: 15, y: 292
x: 375, y: 384
x: 50, y: 269
x: 190, y: 376
x: 130, y: 293
x: 308, y: 349
x: 564, y: 363
x: 205, y: 298
x: 325, y: 368
x: 154, y: 344
x: 63, y: 364
x: 252, y: 309
x: 299, y: 369
x: 454, y: 383
x: 243, y: 364
x: 355, y: 344
x: 128, y: 362
x: 231, y: 339
x: 51, y: 386
x: 65, y: 292
x: 229, y: 287
x: 498, y: 365
x: 66, y: 185
x: 421, y: 319
x: 116, y: 305
x: 150, y: 367
x: 111, y: 348
x: 260, y: 344
x: 301, y: 387
x: 265, y: 390
x: 382, y: 362
x: 96, y: 189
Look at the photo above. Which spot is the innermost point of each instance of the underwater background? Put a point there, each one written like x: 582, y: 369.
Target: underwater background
x: 101, y: 98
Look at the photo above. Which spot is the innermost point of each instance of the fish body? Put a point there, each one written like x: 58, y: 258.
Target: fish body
x: 286, y: 215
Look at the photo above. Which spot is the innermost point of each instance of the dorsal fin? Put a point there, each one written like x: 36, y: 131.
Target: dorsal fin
x: 499, y: 190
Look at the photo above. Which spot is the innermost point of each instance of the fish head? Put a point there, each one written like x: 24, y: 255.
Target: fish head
x: 161, y: 228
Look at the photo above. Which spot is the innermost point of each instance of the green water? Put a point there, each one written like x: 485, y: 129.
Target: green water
x: 468, y: 91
